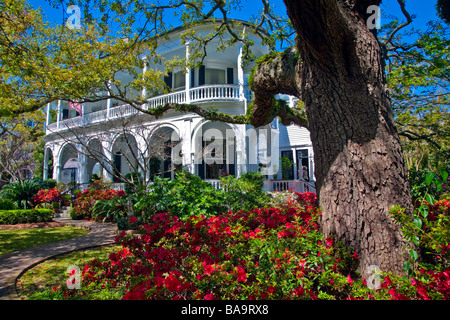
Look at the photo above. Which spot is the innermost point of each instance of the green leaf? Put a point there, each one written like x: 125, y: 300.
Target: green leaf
x: 418, y: 222
x: 429, y: 178
x: 430, y: 199
x: 444, y: 175
x: 414, y: 254
x: 423, y: 210
x: 406, y: 265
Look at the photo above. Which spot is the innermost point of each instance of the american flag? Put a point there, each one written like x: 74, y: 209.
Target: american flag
x: 76, y: 106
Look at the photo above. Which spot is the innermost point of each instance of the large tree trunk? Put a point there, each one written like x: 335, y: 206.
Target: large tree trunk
x: 360, y: 168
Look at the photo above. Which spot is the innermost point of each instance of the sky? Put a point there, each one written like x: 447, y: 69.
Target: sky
x: 423, y: 10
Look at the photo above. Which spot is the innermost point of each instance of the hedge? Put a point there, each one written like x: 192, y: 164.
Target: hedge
x: 25, y: 216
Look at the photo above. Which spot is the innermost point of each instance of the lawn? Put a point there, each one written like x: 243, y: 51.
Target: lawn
x: 38, y: 282
x: 15, y: 240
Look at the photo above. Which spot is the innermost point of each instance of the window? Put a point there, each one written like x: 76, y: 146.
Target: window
x: 215, y: 76
x: 179, y: 80
x: 303, y: 164
x: 287, y: 165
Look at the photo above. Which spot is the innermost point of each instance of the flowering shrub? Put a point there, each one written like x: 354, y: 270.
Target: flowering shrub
x: 268, y: 253
x: 86, y: 199
x: 429, y: 230
x: 47, y: 196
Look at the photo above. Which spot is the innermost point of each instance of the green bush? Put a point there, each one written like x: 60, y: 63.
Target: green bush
x: 75, y: 215
x: 7, y: 204
x: 245, y: 193
x: 49, y: 183
x: 21, y: 193
x: 25, y: 216
x: 183, y: 196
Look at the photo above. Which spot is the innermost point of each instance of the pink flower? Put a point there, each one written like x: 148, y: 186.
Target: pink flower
x: 210, y: 296
x: 349, y: 279
x: 133, y: 220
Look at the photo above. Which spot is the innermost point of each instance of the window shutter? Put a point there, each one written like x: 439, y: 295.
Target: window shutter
x: 201, y: 75
x: 192, y: 78
x: 168, y: 80
x: 230, y: 76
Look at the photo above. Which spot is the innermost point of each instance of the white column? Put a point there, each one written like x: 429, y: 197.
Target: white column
x: 186, y: 144
x: 47, y: 119
x: 83, y: 111
x: 144, y: 90
x: 109, y: 101
x: 241, y: 76
x: 82, y: 169
x: 45, y: 173
x: 241, y: 153
x: 107, y: 149
x: 187, y: 76
x: 294, y: 157
x: 58, y: 114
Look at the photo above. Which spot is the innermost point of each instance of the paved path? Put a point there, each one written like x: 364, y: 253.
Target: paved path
x: 13, y: 264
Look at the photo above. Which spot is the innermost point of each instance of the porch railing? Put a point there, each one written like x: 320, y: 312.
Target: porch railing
x: 283, y: 185
x: 224, y: 92
x: 269, y: 185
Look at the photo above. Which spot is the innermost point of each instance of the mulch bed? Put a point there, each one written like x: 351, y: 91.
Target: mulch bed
x: 50, y: 224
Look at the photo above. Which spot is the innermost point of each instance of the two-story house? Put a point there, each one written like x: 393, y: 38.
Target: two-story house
x: 208, y: 149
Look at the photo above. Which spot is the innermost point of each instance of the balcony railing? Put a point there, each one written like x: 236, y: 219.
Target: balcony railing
x: 227, y: 92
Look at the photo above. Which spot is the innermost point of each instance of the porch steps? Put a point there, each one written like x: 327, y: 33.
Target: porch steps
x: 63, y: 212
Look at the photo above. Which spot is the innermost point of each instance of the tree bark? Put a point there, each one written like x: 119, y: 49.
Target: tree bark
x: 359, y: 163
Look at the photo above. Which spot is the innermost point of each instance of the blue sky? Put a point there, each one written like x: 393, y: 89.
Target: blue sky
x: 424, y: 10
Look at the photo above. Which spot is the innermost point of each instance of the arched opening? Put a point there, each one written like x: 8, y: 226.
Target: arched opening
x: 125, y: 156
x: 68, y: 161
x: 48, y: 164
x: 215, y: 151
x: 165, y: 156
x: 95, y: 159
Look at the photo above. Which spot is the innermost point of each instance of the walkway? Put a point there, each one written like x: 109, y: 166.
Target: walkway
x: 13, y: 264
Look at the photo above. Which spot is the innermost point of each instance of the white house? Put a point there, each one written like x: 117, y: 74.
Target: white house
x: 220, y: 83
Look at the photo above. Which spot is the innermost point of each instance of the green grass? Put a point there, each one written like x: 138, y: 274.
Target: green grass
x: 38, y: 282
x: 15, y: 240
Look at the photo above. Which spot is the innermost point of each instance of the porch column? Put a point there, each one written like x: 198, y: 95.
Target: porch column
x: 82, y: 168
x: 241, y: 147
x: 294, y: 157
x: 45, y: 173
x: 241, y: 77
x: 187, y: 78
x: 186, y: 145
x: 109, y: 101
x: 144, y: 90
x: 47, y: 119
x: 83, y: 112
x: 58, y: 114
x: 107, y: 163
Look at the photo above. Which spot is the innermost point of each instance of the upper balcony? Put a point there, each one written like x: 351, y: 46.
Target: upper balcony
x: 222, y: 77
x: 197, y: 95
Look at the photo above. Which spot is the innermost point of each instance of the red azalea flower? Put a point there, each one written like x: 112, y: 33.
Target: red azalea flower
x: 133, y: 220
x: 210, y: 296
